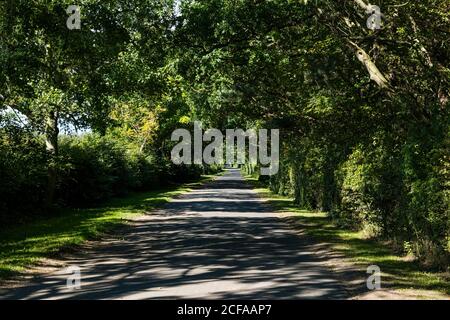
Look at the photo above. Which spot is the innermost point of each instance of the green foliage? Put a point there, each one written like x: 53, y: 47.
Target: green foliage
x: 98, y: 167
x: 364, y: 114
x: 22, y: 172
x: 92, y: 168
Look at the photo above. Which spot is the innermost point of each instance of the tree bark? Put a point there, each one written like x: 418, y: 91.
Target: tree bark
x: 374, y: 72
x: 362, y: 4
x: 51, y: 142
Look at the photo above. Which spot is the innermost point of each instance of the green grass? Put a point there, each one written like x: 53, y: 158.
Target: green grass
x: 397, y: 272
x: 24, y: 246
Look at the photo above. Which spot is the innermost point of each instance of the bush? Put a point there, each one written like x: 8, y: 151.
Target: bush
x: 22, y: 172
x: 91, y: 168
x: 390, y: 188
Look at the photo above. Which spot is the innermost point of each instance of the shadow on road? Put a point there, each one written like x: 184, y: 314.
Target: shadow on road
x: 220, y: 241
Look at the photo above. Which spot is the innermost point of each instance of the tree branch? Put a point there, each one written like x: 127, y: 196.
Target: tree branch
x: 374, y: 72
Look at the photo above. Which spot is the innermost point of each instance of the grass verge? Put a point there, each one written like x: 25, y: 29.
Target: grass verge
x: 397, y: 271
x: 24, y: 246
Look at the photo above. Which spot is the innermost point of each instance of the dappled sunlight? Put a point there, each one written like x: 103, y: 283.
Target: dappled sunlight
x: 200, y: 249
x: 23, y: 246
x: 396, y: 271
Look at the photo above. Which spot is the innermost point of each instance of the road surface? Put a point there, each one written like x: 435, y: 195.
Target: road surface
x: 217, y: 242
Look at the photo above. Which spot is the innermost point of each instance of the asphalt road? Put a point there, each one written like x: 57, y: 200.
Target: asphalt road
x: 217, y: 242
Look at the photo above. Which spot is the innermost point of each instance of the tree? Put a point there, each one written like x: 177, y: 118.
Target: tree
x: 54, y: 75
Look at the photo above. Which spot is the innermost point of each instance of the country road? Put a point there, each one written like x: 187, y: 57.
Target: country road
x: 220, y: 241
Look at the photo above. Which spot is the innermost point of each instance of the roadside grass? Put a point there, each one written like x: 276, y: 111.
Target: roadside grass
x: 397, y: 271
x: 24, y: 246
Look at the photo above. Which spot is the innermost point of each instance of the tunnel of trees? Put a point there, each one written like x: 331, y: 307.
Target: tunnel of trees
x: 363, y: 113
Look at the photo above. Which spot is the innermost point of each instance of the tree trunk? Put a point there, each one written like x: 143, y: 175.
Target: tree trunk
x: 51, y: 142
